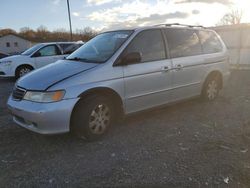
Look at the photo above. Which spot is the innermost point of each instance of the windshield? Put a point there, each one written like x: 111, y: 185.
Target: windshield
x: 100, y: 48
x: 32, y: 49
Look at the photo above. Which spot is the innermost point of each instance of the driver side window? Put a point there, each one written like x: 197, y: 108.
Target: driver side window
x: 149, y: 44
x: 51, y: 50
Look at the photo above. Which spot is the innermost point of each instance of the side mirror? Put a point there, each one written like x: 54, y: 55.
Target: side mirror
x: 37, y: 54
x: 131, y: 58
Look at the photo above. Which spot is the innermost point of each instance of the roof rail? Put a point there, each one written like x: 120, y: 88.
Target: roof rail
x: 178, y: 24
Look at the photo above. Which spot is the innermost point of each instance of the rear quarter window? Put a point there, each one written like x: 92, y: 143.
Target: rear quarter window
x: 210, y: 42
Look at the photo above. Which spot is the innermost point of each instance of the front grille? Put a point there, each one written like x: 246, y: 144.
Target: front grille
x: 18, y: 93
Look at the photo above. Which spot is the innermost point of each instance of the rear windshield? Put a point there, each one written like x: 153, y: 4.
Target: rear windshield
x: 101, y: 48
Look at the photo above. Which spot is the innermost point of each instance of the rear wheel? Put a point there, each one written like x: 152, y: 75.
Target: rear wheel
x: 211, y: 89
x: 21, y: 71
x: 92, y: 117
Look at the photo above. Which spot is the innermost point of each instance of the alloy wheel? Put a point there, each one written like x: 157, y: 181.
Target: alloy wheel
x: 24, y: 71
x: 99, y: 119
x: 212, y: 90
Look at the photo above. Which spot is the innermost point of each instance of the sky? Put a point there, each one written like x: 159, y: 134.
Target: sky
x: 112, y: 14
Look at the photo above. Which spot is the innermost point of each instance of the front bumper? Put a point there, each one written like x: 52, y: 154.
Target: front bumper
x: 6, y: 71
x: 43, y: 118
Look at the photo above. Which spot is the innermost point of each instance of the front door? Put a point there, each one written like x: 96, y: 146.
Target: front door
x: 47, y: 55
x: 147, y: 83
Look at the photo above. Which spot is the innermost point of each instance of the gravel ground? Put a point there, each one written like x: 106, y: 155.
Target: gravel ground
x: 190, y: 144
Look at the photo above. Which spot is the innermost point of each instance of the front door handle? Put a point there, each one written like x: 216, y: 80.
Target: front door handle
x: 179, y: 67
x: 165, y: 69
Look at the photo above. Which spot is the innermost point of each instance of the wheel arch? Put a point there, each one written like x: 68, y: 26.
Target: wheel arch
x: 102, y: 91
x: 23, y: 65
x: 212, y: 74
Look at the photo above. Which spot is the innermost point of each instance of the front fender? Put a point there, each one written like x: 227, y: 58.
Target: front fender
x: 75, y: 91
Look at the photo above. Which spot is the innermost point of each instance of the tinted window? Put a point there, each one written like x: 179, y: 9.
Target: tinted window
x: 210, y: 42
x: 149, y: 44
x: 69, y: 48
x: 49, y: 51
x: 183, y: 42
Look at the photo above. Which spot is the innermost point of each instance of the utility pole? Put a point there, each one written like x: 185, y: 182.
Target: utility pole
x: 69, y: 21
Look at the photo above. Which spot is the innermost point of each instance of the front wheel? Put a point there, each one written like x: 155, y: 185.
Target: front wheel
x: 92, y: 117
x: 21, y: 71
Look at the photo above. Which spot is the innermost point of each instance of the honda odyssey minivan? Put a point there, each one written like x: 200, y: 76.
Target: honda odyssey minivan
x: 118, y: 73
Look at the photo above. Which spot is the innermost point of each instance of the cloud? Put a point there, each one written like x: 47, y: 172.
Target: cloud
x: 153, y: 19
x: 56, y: 2
x: 100, y: 2
x: 195, y: 12
x: 139, y: 13
x: 76, y: 14
x: 157, y: 18
x: 144, y: 12
x: 224, y: 2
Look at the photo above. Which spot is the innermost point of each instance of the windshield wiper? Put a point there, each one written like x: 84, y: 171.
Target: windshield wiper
x: 82, y: 60
x: 77, y: 59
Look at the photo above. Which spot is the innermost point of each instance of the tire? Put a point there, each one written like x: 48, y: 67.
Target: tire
x: 211, y: 88
x: 92, y: 117
x: 21, y: 71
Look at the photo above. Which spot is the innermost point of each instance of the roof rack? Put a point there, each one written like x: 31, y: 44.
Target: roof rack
x: 178, y: 24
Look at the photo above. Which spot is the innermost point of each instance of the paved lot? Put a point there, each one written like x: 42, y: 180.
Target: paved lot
x: 191, y: 144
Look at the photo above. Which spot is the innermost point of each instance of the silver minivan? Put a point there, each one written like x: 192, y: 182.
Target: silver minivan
x: 118, y: 73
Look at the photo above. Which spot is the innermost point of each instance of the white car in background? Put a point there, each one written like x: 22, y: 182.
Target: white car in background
x: 3, y: 55
x: 36, y: 57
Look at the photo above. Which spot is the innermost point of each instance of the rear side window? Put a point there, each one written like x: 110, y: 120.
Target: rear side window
x: 183, y: 42
x: 69, y: 48
x: 149, y: 44
x: 210, y: 42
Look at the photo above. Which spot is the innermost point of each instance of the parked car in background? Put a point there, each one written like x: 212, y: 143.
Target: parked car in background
x: 3, y: 55
x: 36, y: 57
x: 120, y: 72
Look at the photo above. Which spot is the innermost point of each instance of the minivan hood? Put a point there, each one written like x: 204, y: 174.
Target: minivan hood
x: 49, y: 75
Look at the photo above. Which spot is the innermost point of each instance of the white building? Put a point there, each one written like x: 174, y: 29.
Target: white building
x: 237, y: 39
x: 14, y: 44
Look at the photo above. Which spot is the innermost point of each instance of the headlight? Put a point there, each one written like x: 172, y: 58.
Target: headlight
x: 5, y: 62
x: 44, y: 97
